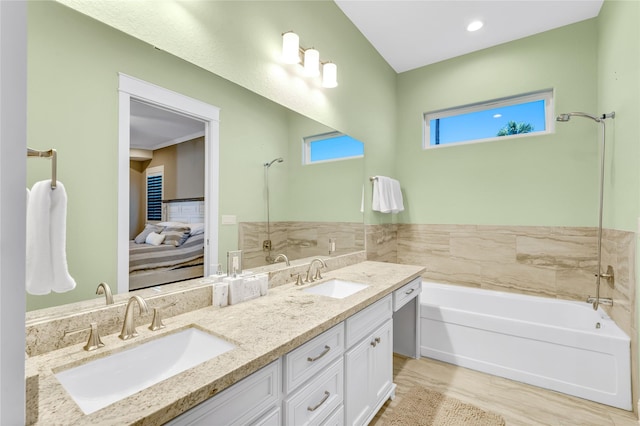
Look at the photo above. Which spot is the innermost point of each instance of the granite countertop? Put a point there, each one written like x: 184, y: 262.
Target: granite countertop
x: 262, y: 330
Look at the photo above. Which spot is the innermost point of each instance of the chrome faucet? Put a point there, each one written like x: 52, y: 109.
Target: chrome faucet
x: 129, y: 327
x: 283, y: 257
x: 317, y: 276
x: 104, y: 288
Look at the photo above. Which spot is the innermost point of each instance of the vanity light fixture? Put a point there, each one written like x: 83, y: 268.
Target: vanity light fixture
x: 292, y: 53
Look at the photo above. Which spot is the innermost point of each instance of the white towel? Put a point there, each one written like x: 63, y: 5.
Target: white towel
x: 46, y: 257
x: 387, y: 195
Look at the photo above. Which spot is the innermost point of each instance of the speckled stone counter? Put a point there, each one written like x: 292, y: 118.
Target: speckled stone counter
x: 262, y: 329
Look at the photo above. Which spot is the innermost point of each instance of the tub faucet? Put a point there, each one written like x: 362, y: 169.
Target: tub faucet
x: 129, y: 327
x: 104, y: 288
x: 283, y: 257
x: 317, y: 276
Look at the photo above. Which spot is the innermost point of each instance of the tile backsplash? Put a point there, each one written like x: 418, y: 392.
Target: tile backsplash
x: 297, y: 240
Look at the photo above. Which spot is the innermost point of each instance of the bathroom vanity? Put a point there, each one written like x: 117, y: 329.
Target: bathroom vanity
x: 298, y: 358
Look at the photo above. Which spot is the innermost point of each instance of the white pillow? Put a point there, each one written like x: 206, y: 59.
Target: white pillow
x: 155, y: 239
x: 196, y: 228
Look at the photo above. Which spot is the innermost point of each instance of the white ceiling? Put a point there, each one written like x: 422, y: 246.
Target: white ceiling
x: 412, y: 34
x: 154, y: 128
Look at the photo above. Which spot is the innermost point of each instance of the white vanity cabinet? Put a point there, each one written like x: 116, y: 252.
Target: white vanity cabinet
x: 368, y: 362
x: 341, y: 377
x: 252, y: 401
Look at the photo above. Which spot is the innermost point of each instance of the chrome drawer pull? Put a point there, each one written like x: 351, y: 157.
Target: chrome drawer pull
x: 326, y: 396
x: 377, y: 339
x: 326, y: 351
x: 410, y: 291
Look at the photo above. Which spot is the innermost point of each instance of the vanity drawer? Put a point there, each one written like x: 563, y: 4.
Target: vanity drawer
x: 271, y: 418
x: 365, y: 321
x: 407, y: 292
x: 313, y: 403
x: 305, y: 361
x: 335, y: 419
x: 240, y: 404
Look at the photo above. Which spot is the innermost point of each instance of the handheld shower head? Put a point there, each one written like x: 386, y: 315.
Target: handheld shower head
x: 567, y: 116
x: 275, y: 160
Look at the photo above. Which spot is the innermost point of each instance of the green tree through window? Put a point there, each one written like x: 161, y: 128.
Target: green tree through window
x: 513, y: 128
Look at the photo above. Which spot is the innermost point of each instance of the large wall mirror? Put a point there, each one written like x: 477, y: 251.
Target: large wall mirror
x: 74, y: 64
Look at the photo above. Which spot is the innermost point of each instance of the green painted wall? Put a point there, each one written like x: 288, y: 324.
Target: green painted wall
x: 538, y: 180
x: 619, y: 91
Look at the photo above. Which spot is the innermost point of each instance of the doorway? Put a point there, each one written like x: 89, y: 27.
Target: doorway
x: 138, y: 91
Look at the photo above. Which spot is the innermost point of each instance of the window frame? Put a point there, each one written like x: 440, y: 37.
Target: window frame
x: 547, y: 95
x: 308, y: 140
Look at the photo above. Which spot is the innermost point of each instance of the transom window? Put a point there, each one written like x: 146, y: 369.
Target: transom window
x: 517, y: 116
x: 331, y: 146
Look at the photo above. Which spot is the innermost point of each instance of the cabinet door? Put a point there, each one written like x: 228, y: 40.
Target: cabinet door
x: 381, y: 362
x: 358, y: 384
x: 368, y: 375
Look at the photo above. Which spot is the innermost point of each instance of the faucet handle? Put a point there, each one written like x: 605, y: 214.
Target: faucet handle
x: 156, y: 323
x: 318, y: 275
x: 94, y: 342
x: 298, y: 279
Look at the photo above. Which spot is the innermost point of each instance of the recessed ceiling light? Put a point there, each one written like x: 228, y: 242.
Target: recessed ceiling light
x: 474, y: 26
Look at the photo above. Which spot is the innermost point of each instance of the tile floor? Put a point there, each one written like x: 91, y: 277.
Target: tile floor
x: 518, y: 403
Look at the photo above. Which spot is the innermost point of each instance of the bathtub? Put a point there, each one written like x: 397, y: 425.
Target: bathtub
x: 560, y: 345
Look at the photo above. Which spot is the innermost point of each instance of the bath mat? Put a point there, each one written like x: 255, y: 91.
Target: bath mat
x: 425, y: 407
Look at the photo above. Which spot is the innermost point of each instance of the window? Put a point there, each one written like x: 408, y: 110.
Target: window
x: 155, y: 190
x: 530, y: 114
x: 331, y: 147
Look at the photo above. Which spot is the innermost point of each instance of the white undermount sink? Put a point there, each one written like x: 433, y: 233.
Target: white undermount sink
x: 101, y: 382
x: 337, y: 289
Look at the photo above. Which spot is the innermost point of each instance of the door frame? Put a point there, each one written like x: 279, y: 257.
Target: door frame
x: 134, y: 88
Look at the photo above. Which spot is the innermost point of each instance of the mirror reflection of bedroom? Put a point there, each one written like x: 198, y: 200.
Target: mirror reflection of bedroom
x: 166, y: 205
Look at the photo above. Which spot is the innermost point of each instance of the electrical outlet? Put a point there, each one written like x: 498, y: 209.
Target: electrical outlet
x: 234, y: 262
x: 266, y: 245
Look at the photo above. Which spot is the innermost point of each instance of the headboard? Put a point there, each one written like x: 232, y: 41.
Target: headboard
x: 187, y: 210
